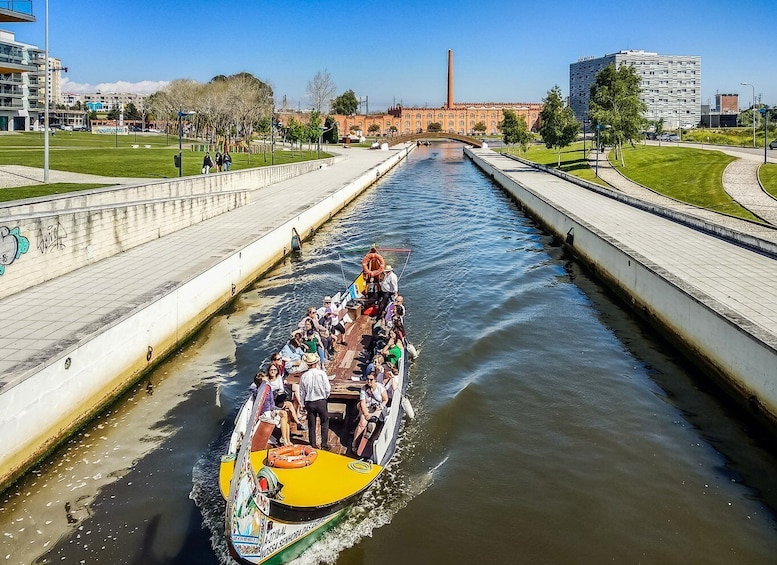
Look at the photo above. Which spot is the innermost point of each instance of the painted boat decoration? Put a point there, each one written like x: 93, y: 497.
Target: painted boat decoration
x: 280, y: 499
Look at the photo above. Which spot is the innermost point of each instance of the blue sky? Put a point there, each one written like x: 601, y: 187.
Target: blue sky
x: 396, y: 51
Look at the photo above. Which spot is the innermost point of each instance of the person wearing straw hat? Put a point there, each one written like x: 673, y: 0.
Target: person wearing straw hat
x: 314, y: 389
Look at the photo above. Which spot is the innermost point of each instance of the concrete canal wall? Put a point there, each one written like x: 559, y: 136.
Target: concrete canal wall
x: 736, y: 351
x: 66, y: 232
x: 67, y: 387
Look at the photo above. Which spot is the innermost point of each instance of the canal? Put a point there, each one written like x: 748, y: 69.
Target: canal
x: 551, y: 426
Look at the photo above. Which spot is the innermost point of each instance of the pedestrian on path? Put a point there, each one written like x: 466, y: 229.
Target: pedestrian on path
x: 207, y: 163
x: 227, y: 160
x: 219, y: 161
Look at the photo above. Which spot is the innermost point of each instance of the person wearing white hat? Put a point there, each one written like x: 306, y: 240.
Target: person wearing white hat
x: 314, y: 389
x: 389, y: 288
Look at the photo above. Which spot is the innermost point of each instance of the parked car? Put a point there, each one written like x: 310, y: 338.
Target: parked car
x: 773, y: 144
x: 669, y: 137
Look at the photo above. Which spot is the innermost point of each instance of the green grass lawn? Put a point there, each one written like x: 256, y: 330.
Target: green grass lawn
x: 738, y: 137
x: 8, y: 194
x: 768, y: 175
x: 689, y: 175
x: 83, y: 152
x: 572, y: 159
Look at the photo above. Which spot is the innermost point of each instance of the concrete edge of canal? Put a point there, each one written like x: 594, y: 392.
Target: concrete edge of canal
x: 730, y: 349
x: 46, y: 408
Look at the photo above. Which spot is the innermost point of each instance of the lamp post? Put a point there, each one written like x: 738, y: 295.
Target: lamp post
x: 765, y: 112
x: 323, y: 130
x: 46, y: 102
x: 181, y: 114
x: 585, y: 123
x: 754, y: 110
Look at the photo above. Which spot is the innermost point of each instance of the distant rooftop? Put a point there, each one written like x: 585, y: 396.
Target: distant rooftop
x: 16, y: 11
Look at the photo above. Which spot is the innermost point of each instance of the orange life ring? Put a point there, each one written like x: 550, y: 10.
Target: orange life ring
x: 292, y: 457
x: 373, y: 264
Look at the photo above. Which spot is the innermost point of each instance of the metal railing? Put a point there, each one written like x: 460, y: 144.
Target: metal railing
x: 20, y: 6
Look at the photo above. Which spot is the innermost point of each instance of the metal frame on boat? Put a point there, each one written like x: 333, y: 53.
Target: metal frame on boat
x: 273, y: 515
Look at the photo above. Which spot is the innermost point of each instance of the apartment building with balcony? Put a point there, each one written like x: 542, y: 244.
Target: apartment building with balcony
x: 21, y: 93
x: 670, y: 84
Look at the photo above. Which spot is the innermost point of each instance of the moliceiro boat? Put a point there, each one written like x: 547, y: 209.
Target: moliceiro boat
x: 281, y: 498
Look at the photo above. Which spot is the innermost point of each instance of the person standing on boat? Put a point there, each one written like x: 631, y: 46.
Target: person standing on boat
x: 389, y: 288
x: 314, y: 388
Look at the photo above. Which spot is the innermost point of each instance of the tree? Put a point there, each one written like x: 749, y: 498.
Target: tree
x: 558, y: 125
x: 331, y: 135
x: 658, y: 129
x: 374, y: 129
x: 114, y: 113
x: 615, y: 103
x: 514, y: 130
x: 434, y: 126
x: 345, y: 104
x: 320, y: 90
x: 480, y: 128
x: 131, y: 112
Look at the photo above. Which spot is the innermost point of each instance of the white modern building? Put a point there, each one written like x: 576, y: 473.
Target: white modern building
x: 671, y: 84
x: 21, y: 94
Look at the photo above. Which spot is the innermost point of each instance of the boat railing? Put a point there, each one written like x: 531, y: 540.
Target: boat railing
x: 387, y: 436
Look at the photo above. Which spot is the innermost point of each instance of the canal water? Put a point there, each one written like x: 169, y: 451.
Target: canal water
x: 551, y: 427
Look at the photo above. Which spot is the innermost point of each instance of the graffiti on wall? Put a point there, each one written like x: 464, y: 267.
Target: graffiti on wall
x: 12, y: 245
x: 53, y: 238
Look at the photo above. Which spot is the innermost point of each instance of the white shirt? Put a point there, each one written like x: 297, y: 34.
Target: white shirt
x: 314, y: 385
x: 390, y: 284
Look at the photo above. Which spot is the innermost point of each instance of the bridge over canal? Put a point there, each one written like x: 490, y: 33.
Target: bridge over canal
x: 473, y: 141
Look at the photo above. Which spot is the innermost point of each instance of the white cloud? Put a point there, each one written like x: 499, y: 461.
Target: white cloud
x: 142, y: 87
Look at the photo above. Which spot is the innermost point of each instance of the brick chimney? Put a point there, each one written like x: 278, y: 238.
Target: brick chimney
x: 450, y: 79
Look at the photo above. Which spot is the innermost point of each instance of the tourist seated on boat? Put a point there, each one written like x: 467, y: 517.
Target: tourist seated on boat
x: 376, y: 361
x: 379, y: 338
x: 395, y: 311
x: 389, y: 378
x: 312, y: 317
x: 312, y: 342
x: 392, y: 351
x: 293, y: 351
x: 329, y: 317
x: 283, y: 392
x: 285, y: 366
x: 328, y: 341
x: 373, y: 401
x: 270, y: 412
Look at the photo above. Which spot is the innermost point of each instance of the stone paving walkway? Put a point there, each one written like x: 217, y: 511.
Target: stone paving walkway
x: 746, y: 191
x: 740, y: 179
x: 620, y: 183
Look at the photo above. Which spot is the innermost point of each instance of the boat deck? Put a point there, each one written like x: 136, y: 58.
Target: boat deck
x: 346, y: 367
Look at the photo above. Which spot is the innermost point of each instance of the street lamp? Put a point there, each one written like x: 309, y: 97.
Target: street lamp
x: 765, y: 112
x: 754, y: 110
x: 598, y: 128
x: 181, y: 114
x: 323, y: 130
x: 585, y: 123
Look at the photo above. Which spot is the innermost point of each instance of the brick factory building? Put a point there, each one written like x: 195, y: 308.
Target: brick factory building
x: 453, y: 117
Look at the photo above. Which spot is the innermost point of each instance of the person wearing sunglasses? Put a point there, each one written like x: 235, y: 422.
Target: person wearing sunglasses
x: 373, y: 400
